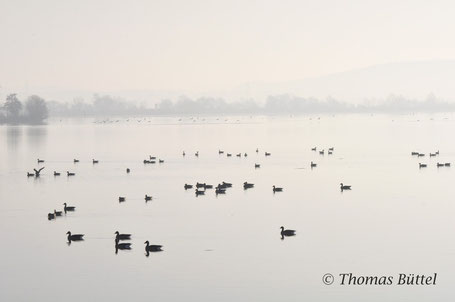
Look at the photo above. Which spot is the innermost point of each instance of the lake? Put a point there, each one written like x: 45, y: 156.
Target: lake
x: 396, y: 219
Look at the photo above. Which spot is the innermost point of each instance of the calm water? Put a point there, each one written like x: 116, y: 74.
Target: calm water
x: 397, y: 219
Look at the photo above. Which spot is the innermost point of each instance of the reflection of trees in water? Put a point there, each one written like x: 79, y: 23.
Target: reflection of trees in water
x: 36, y: 135
x: 13, y: 136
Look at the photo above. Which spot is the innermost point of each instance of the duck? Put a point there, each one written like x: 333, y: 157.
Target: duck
x: 128, y: 170
x: 187, y: 186
x: 313, y: 165
x: 68, y: 173
x: 331, y: 149
x: 220, y: 191
x: 313, y: 149
x: 147, y: 197
x: 268, y: 154
x: 75, y: 160
x: 56, y: 173
x: 257, y: 166
x: 95, y: 161
x: 227, y: 184
x: 447, y: 164
x: 208, y: 186
x: 152, y: 248
x: 220, y: 151
x: 68, y: 209
x: 287, y: 232
x: 122, y: 246
x: 432, y: 154
x: 421, y: 155
x: 121, y: 199
x: 228, y: 154
x: 330, y: 152
x: 74, y: 237
x: 40, y: 161
x: 50, y: 216
x: 276, y: 189
x: 247, y: 185
x: 439, y: 165
x: 161, y: 161
x: 239, y: 155
x: 199, y: 192
x: 245, y: 155
x: 344, y: 187
x: 183, y: 153
x: 200, y: 185
x: 196, y: 154
x: 30, y: 174
x: 152, y: 157
x: 321, y: 152
x: 119, y: 236
x: 414, y: 153
x: 422, y: 165
x: 57, y: 213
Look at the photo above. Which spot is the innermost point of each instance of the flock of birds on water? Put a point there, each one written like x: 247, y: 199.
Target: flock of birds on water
x: 200, y: 189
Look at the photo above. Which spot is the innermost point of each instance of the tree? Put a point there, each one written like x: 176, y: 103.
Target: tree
x: 13, y: 107
x: 36, y: 109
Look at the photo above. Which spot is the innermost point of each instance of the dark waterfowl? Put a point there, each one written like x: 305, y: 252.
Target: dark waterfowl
x: 161, y: 161
x: 199, y: 192
x: 152, y: 248
x: 227, y: 184
x: 40, y: 161
x: 447, y: 164
x: 422, y: 165
x: 287, y: 232
x: 152, y: 157
x: 247, y: 185
x: 322, y: 152
x: 75, y: 161
x: 344, y: 187
x: 50, y: 216
x: 228, y: 154
x: 330, y: 152
x: 421, y: 155
x: 74, y: 237
x: 257, y: 150
x: 122, y: 246
x: 183, y: 153
x: 196, y: 154
x: 37, y: 172
x: 313, y: 165
x: 56, y: 173
x: 208, y: 186
x: 95, y: 161
x: 239, y: 155
x: 30, y: 174
x: 128, y: 170
x: 119, y: 236
x: 121, y: 199
x: 331, y: 149
x: 267, y: 154
x: 220, y: 152
x: 313, y: 149
x: 277, y: 189
x: 68, y: 209
x: 437, y: 152
x: 187, y: 186
x: 57, y: 213
x: 432, y: 154
x: 220, y: 191
x: 439, y: 165
x: 245, y: 155
x: 147, y: 197
x: 68, y: 173
x: 414, y: 153
x: 200, y: 185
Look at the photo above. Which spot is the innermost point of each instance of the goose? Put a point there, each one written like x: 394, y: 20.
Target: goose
x: 287, y: 232
x: 40, y: 161
x: 199, y: 192
x: 75, y: 160
x: 439, y: 165
x: 147, y: 198
x: 74, y: 237
x: 196, y: 154
x: 152, y: 157
x: 121, y: 199
x: 437, y: 152
x: 30, y: 174
x: 313, y: 149
x: 220, y: 191
x: 227, y: 184
x: 414, y: 153
x: 208, y: 186
x: 152, y: 248
x: 276, y: 189
x: 239, y: 154
x: 313, y: 165
x: 161, y: 161
x: 220, y: 186
x: 447, y: 164
x: 321, y: 152
x: 200, y: 185
x: 220, y: 152
x: 183, y: 153
x: 128, y: 170
x: 421, y: 155
x: 247, y: 185
x: 245, y: 155
x: 330, y: 152
x: 56, y: 173
x: 50, y: 216
x: 257, y: 150
x: 331, y: 149
x: 95, y: 161
x: 119, y: 236
x: 432, y: 154
x: 256, y: 166
x: 268, y: 154
x: 57, y: 213
x: 68, y: 173
x: 37, y: 172
x: 228, y: 154
x: 187, y: 186
x: 122, y: 246
x: 344, y: 187
x: 68, y: 209
x: 422, y: 165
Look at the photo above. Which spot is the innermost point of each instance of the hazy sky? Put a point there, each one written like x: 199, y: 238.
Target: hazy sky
x: 206, y: 45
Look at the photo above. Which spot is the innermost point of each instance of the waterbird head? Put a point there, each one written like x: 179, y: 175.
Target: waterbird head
x: 147, y: 242
x: 68, y: 233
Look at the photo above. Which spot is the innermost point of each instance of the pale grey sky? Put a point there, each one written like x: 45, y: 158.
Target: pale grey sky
x: 210, y: 45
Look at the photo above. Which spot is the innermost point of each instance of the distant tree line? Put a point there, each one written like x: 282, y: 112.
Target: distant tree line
x: 33, y: 111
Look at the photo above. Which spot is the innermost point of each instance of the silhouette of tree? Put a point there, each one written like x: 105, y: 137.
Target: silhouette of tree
x: 13, y: 107
x: 36, y: 109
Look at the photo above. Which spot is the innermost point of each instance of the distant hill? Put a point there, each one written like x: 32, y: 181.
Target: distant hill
x: 410, y: 79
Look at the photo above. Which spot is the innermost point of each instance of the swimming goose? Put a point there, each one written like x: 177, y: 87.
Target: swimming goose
x: 121, y: 199
x: 122, y: 246
x: 57, y: 213
x: 276, y: 189
x: 152, y: 248
x: 196, y: 154
x: 30, y: 174
x: 95, y: 161
x: 256, y: 166
x: 128, y: 170
x: 227, y: 184
x: 50, y: 216
x: 147, y: 198
x: 313, y: 165
x: 313, y: 149
x: 439, y: 165
x: 40, y: 161
x: 414, y: 153
x: 344, y: 187
x: 268, y: 154
x: 75, y: 160
x: 228, y: 154
x: 119, y: 236
x: 330, y: 152
x: 208, y: 186
x: 220, y: 191
x: 245, y: 155
x: 161, y: 161
x: 437, y: 152
x: 56, y: 173
x: 247, y: 185
x: 199, y: 192
x: 257, y: 150
x: 447, y: 164
x: 220, y: 152
x: 200, y: 185
x: 421, y: 155
x: 331, y: 149
x: 183, y: 153
x: 432, y: 154
x: 70, y: 173
x: 287, y: 232
x: 321, y: 152
x: 74, y: 237
x: 152, y: 157
x: 68, y: 209
x: 422, y: 165
x: 187, y: 186
x: 37, y: 172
